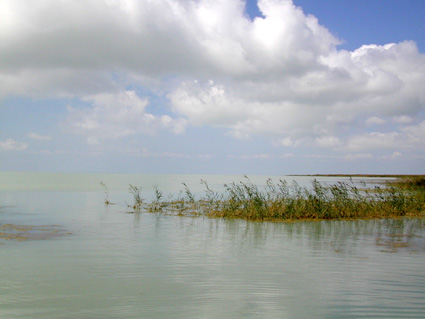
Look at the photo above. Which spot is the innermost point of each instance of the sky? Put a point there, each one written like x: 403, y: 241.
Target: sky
x: 213, y: 86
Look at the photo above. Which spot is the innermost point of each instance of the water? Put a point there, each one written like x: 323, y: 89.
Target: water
x: 121, y: 265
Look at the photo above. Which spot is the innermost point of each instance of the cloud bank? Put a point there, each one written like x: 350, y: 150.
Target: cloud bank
x: 280, y: 75
x: 12, y: 145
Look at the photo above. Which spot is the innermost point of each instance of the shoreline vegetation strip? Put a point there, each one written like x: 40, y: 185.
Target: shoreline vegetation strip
x: 282, y: 201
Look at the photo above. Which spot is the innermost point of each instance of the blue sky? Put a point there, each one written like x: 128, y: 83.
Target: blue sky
x: 213, y: 86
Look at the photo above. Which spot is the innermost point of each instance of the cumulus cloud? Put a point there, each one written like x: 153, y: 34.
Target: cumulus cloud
x: 118, y: 115
x: 373, y: 141
x: 410, y: 137
x: 287, y: 155
x: 358, y: 156
x: 393, y: 156
x: 327, y: 141
x: 36, y: 136
x: 414, y: 135
x: 403, y: 119
x: 12, y: 145
x: 280, y: 75
x: 374, y: 120
x: 314, y: 105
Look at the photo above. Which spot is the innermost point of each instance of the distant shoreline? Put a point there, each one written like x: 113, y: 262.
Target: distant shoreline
x: 361, y: 175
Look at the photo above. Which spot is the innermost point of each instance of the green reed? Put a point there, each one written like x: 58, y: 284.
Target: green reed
x: 282, y: 201
x: 137, y: 197
x: 287, y: 202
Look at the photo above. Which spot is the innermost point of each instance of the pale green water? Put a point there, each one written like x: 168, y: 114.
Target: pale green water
x: 120, y: 265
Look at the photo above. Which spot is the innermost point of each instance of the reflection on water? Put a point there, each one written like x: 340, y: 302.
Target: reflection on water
x: 120, y: 265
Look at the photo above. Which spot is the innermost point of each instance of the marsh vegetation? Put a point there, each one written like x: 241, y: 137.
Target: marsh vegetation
x: 31, y: 232
x: 282, y: 201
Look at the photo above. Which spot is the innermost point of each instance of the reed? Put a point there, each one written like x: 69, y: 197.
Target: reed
x: 105, y: 190
x: 412, y: 182
x: 282, y: 201
x: 137, y: 197
x: 286, y: 202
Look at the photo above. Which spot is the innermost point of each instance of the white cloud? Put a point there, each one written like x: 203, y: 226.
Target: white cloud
x: 262, y: 156
x: 414, y: 135
x: 287, y: 155
x: 205, y: 156
x: 358, y: 156
x: 36, y: 136
x: 146, y: 153
x: 280, y: 75
x: 394, y: 155
x: 287, y: 142
x: 373, y: 141
x: 327, y: 141
x: 361, y: 86
x: 45, y: 152
x: 374, y: 120
x: 118, y: 115
x: 403, y: 119
x: 408, y: 138
x: 345, y: 157
x: 12, y: 145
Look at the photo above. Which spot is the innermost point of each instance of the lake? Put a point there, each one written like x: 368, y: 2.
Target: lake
x: 73, y: 257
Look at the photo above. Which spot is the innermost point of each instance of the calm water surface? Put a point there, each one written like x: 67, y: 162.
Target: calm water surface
x: 121, y: 265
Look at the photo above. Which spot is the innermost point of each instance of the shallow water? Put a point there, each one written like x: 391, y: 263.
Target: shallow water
x: 121, y: 265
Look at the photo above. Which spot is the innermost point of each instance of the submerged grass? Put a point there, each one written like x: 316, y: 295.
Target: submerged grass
x: 290, y: 202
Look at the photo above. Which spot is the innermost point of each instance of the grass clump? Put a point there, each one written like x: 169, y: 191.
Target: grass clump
x: 319, y: 202
x: 417, y: 182
x: 137, y: 197
x: 282, y: 201
x: 285, y: 202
